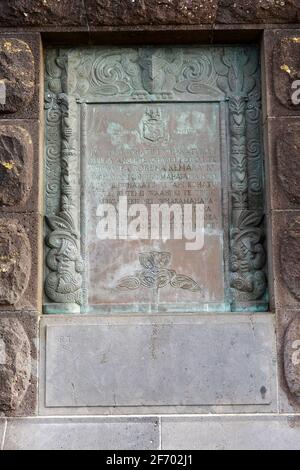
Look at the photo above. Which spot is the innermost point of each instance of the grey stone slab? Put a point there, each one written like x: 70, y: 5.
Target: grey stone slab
x: 158, y: 363
x: 232, y: 433
x: 82, y: 434
x: 2, y: 431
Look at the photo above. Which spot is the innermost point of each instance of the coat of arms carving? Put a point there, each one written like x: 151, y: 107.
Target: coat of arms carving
x: 153, y: 126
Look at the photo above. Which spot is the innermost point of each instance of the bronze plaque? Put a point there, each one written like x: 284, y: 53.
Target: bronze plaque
x: 143, y: 141
x: 162, y: 153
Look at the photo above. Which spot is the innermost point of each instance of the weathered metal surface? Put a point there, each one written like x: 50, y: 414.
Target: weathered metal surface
x: 166, y: 154
x: 104, y: 104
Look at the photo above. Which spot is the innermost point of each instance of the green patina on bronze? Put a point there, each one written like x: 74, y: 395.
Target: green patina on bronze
x: 227, y: 76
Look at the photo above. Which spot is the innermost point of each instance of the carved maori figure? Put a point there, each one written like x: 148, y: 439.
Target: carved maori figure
x: 248, y: 257
x: 63, y: 283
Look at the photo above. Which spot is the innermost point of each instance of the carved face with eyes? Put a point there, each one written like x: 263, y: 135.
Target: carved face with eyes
x: 15, y: 364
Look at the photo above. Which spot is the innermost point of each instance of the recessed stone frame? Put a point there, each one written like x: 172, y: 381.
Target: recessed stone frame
x: 75, y: 77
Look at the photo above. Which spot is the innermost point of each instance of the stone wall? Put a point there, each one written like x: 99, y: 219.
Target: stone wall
x: 282, y: 68
x: 20, y: 219
x: 92, y: 13
x: 24, y: 26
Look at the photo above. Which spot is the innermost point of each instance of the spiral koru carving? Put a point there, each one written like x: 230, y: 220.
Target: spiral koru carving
x: 156, y: 274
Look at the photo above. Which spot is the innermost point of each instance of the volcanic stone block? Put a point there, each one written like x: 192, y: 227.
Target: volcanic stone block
x: 17, y: 71
x: 153, y: 12
x: 18, y: 364
x: 286, y: 257
x: 19, y: 258
x: 127, y: 12
x: 287, y: 151
x: 290, y: 257
x: 283, y: 160
x: 16, y: 152
x: 282, y: 64
x: 20, y: 165
x: 15, y: 261
x: 258, y: 11
x: 285, y: 319
x: 41, y: 13
x: 20, y: 74
x: 292, y: 356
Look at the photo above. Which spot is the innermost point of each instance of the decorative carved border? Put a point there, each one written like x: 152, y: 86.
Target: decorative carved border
x: 96, y: 74
x: 63, y: 280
